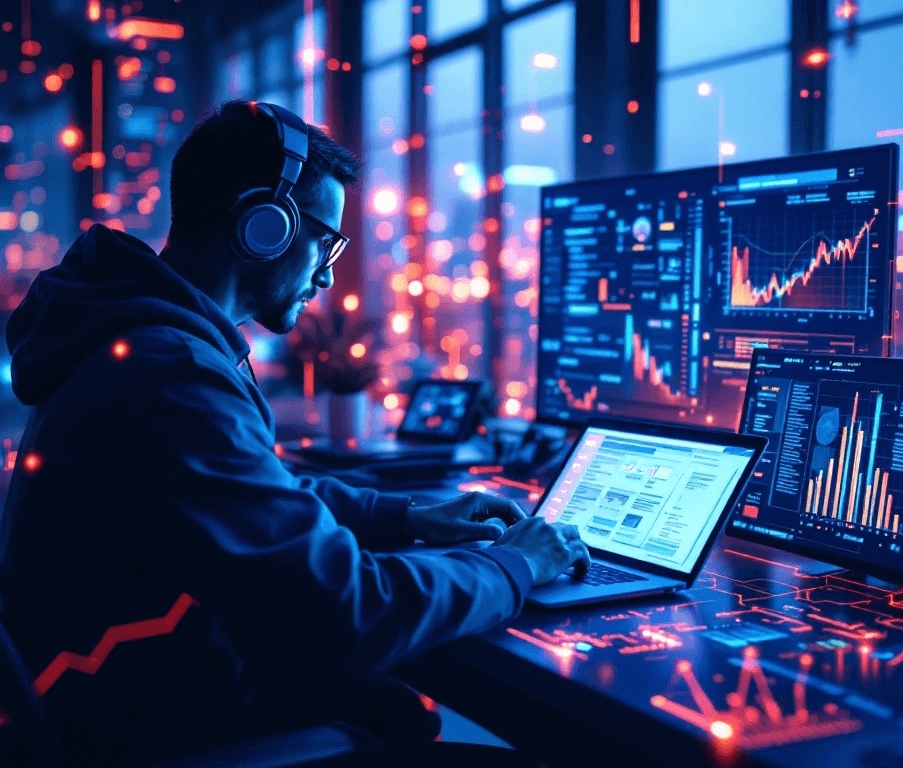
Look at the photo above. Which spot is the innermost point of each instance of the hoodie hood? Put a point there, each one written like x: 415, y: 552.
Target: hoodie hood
x: 107, y: 284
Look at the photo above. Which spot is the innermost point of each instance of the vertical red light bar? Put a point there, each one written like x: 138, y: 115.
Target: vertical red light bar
x: 26, y: 19
x: 634, y: 21
x: 308, y: 65
x: 97, y: 122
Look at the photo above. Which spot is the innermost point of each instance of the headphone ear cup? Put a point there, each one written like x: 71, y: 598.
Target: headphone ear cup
x: 262, y: 228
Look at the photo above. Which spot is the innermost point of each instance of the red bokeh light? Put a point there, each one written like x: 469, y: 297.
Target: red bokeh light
x: 31, y: 48
x: 71, y: 137
x: 418, y: 42
x: 120, y: 349
x: 816, y: 58
x: 53, y: 83
x: 633, y: 107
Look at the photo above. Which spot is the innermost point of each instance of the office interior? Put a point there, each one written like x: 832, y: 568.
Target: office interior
x: 494, y: 135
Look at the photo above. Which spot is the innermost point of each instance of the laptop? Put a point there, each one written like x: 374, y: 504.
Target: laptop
x: 649, y: 501
x: 439, y: 417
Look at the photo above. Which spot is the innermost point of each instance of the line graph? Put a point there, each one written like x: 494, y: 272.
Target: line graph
x: 827, y: 269
x: 756, y: 722
x: 121, y: 633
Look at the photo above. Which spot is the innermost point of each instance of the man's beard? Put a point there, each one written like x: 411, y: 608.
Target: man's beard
x: 279, y: 320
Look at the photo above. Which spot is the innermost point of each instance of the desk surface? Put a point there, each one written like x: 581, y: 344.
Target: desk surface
x: 758, y: 661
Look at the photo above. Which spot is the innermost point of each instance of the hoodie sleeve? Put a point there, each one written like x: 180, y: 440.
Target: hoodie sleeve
x: 228, y: 521
x: 376, y: 519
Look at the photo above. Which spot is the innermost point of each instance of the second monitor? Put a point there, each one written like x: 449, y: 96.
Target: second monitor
x: 655, y: 289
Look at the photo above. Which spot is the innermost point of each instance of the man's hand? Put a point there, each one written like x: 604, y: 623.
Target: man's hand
x: 549, y: 548
x: 470, y: 517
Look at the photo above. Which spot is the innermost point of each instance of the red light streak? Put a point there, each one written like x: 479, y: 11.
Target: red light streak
x: 160, y: 30
x: 136, y: 630
x: 97, y: 120
x: 634, y: 21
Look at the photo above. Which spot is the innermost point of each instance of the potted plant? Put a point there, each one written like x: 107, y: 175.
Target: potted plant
x: 341, y: 353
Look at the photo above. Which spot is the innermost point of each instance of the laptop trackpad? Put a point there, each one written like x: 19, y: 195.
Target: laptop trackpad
x: 566, y: 590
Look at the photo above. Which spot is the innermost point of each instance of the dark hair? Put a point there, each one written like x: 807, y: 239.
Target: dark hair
x: 236, y: 149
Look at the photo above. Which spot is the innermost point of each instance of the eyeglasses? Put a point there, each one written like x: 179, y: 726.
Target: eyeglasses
x: 331, y: 244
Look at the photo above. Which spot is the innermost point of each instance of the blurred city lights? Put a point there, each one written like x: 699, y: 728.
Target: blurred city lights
x: 351, y: 302
x: 358, y: 350
x: 704, y: 89
x: 415, y: 288
x: 53, y: 82
x: 727, y: 148
x: 533, y: 123
x: 846, y: 10
x: 633, y: 107
x: 816, y: 58
x: 544, y: 61
x: 29, y: 221
x: 386, y: 202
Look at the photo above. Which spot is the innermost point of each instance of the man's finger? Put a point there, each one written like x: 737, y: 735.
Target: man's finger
x: 480, y: 531
x: 570, y: 532
x: 581, y: 559
x: 515, y: 513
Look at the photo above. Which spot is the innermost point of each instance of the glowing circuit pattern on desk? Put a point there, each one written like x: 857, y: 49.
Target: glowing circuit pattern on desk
x: 788, y: 669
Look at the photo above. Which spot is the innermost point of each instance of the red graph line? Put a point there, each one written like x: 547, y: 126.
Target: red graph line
x: 136, y: 630
x: 744, y: 294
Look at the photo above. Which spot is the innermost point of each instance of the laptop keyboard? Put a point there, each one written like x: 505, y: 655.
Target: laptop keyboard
x: 604, y: 574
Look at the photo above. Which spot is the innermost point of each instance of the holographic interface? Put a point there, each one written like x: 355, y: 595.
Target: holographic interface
x: 830, y: 483
x: 655, y: 289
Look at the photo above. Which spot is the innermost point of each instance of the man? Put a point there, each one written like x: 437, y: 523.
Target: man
x: 147, y: 488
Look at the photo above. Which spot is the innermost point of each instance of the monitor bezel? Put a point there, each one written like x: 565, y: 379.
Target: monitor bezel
x: 792, y: 546
x: 756, y: 443
x: 892, y: 147
x: 472, y: 388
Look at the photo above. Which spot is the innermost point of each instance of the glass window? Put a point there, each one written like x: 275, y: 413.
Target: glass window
x: 539, y: 55
x: 237, y: 76
x: 280, y: 98
x: 752, y: 99
x: 274, y: 60
x: 387, y: 28
x: 383, y: 201
x: 385, y: 107
x: 455, y: 285
x: 513, y: 5
x: 448, y: 18
x: 531, y: 161
x: 860, y: 77
x: 692, y: 31
x: 456, y: 88
x: 310, y: 102
x: 309, y: 55
x: 867, y: 10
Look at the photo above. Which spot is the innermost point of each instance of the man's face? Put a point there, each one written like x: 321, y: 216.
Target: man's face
x: 284, y: 286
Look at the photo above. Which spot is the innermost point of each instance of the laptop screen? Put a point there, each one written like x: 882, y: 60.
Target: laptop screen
x: 650, y: 498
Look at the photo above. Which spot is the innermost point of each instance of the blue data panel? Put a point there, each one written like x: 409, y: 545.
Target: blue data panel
x: 655, y: 290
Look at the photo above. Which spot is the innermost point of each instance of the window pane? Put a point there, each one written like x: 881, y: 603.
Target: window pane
x: 859, y: 81
x: 310, y: 102
x: 753, y: 97
x: 385, y: 107
x: 457, y: 88
x: 309, y: 55
x: 455, y: 282
x: 513, y: 5
x: 387, y: 28
x: 447, y: 18
x: 274, y: 60
x: 530, y: 77
x: 866, y: 11
x: 531, y: 161
x: 693, y: 31
x: 236, y: 76
x: 386, y: 278
x: 280, y: 98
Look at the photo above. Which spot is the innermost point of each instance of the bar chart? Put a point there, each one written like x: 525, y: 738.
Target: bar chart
x: 851, y: 457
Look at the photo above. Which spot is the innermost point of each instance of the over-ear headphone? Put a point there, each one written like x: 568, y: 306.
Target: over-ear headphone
x: 263, y: 222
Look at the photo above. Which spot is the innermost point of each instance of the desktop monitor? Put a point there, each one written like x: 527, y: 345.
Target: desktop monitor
x: 655, y: 289
x: 830, y: 483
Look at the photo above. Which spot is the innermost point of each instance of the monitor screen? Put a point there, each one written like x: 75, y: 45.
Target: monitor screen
x: 830, y: 483
x: 440, y: 410
x: 655, y: 289
x: 647, y: 497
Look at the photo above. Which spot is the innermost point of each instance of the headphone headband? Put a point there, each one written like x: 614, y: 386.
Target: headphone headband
x: 264, y: 221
